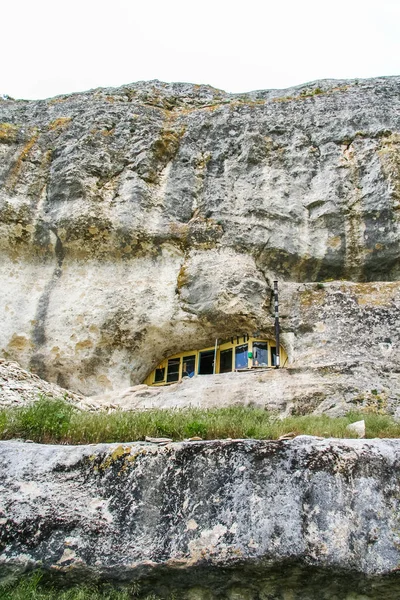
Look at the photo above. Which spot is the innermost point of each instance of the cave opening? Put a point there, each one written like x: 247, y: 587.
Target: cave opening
x: 239, y: 353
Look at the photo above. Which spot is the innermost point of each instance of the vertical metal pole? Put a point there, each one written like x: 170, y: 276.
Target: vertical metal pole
x: 215, y: 356
x: 277, y: 363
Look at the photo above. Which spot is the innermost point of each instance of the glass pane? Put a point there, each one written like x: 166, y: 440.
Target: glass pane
x: 273, y: 356
x: 206, y: 366
x: 260, y: 354
x: 159, y: 376
x: 188, y: 366
x: 225, y: 361
x: 173, y: 369
x: 241, y: 357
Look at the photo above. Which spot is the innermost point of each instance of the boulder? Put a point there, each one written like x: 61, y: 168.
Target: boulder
x: 358, y: 427
x: 206, y: 516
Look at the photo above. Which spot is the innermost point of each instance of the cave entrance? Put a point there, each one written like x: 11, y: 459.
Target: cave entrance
x: 239, y: 353
x: 206, y: 362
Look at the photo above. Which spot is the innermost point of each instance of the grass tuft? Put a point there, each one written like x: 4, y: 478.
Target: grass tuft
x: 32, y: 587
x: 59, y: 123
x: 8, y: 133
x: 57, y: 422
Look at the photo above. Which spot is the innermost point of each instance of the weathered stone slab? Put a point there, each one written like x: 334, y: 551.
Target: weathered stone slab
x: 140, y: 511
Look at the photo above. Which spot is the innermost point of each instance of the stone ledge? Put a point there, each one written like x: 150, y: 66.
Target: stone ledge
x: 134, y: 510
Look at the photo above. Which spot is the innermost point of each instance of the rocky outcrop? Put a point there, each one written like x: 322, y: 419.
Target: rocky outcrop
x: 333, y: 390
x: 342, y: 342
x: 149, y: 219
x: 194, y: 515
x: 19, y: 387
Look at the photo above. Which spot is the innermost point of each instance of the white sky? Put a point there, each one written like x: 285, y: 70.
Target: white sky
x: 51, y: 47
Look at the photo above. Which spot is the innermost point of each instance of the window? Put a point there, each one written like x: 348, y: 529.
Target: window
x: 225, y: 361
x: 260, y: 354
x: 159, y: 375
x: 173, y: 369
x: 206, y: 362
x: 241, y: 357
x: 188, y: 366
x: 273, y: 356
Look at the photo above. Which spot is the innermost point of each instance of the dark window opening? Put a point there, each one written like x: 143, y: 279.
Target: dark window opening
x: 225, y: 361
x: 173, y: 369
x: 188, y: 366
x: 206, y: 363
x: 241, y: 357
x: 260, y: 354
x: 273, y: 356
x: 159, y: 375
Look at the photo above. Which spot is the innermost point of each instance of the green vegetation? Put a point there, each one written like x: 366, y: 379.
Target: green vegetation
x: 167, y: 145
x: 22, y: 157
x: 308, y: 93
x: 38, y: 586
x: 33, y: 587
x: 56, y: 421
x: 8, y: 133
x: 60, y: 123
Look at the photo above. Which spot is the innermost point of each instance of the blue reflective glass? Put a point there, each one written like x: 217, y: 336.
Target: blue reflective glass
x: 241, y: 356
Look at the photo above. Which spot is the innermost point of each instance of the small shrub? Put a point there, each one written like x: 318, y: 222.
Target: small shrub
x: 308, y: 93
x: 196, y: 428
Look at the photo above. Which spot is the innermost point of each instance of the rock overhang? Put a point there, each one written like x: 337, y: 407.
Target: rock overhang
x: 148, y: 217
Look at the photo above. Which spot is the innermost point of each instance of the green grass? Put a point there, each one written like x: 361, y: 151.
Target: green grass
x: 56, y: 421
x: 33, y: 587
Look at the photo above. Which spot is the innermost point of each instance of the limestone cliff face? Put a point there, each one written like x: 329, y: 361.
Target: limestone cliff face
x: 140, y: 221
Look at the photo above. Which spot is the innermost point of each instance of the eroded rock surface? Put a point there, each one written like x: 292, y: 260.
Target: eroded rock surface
x: 343, y: 343
x: 19, y: 387
x: 175, y: 513
x: 149, y: 219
